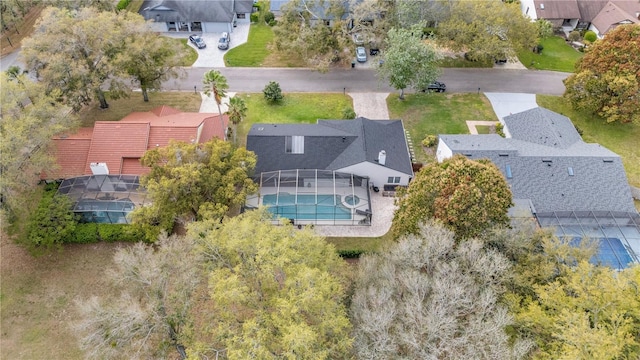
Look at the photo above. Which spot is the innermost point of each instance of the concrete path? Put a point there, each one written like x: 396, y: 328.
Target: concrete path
x: 382, y: 209
x: 505, y: 104
x: 471, y: 124
x: 209, y: 105
x: 371, y: 105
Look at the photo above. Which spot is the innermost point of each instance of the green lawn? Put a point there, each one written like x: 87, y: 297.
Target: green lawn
x: 619, y: 138
x: 190, y: 54
x: 368, y: 245
x: 461, y: 62
x: 254, y: 51
x: 295, y: 108
x: 433, y: 114
x: 557, y: 55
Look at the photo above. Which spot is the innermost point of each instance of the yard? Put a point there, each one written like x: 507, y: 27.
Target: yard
x: 254, y: 51
x: 433, y: 114
x: 557, y: 55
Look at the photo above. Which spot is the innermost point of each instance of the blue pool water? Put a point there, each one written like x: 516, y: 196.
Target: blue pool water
x: 611, y: 252
x: 304, y: 207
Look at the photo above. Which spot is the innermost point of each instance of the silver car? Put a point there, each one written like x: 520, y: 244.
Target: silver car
x: 361, y: 54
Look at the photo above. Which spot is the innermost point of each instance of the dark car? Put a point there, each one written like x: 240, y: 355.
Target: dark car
x: 197, y: 41
x: 436, y: 86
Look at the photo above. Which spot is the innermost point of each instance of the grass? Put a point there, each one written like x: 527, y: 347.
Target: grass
x: 254, y: 51
x: 557, y: 55
x: 483, y: 129
x: 619, y: 138
x: 185, y: 101
x: 433, y: 114
x: 368, y: 245
x: 461, y: 62
x: 294, y: 108
x: 190, y: 54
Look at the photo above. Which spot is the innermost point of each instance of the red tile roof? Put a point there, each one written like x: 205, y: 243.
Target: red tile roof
x: 120, y: 144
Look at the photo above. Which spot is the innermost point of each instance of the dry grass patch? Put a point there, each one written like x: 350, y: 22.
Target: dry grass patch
x: 185, y: 101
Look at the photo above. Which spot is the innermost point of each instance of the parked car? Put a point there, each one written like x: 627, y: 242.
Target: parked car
x: 361, y: 54
x: 197, y: 41
x: 223, y: 43
x: 436, y: 86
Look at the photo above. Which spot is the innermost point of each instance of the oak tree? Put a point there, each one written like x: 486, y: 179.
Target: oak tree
x: 277, y: 292
x: 408, y: 61
x: 427, y: 298
x: 607, y: 78
x: 467, y: 196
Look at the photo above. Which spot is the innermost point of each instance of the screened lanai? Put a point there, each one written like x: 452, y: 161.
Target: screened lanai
x: 104, y: 198
x: 320, y: 197
x: 617, y: 233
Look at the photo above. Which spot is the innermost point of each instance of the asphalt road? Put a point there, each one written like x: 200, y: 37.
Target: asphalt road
x: 365, y: 80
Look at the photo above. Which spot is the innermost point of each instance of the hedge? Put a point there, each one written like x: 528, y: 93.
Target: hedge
x: 350, y: 254
x: 91, y: 232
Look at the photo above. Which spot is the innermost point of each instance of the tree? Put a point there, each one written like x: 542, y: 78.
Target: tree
x: 409, y: 13
x: 408, y: 61
x: 152, y: 313
x: 272, y: 92
x: 30, y: 118
x: 427, y: 298
x: 277, y: 292
x: 607, y: 78
x: 52, y: 223
x: 301, y: 31
x: 215, y: 84
x: 151, y: 59
x: 66, y: 52
x: 545, y: 28
x: 592, y: 312
x: 467, y: 196
x: 195, y: 181
x: 367, y: 19
x: 237, y: 111
x: 487, y: 30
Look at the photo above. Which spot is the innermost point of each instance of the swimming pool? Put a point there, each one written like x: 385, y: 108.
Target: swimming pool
x: 307, y: 207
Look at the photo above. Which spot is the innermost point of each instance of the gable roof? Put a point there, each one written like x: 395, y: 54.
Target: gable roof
x: 194, y: 10
x: 331, y: 145
x: 615, y: 13
x: 557, y: 9
x: 120, y: 144
x: 590, y: 8
x: 556, y: 172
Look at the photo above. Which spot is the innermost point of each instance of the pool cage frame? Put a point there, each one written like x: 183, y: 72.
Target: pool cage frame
x: 596, y: 225
x: 104, y: 198
x: 313, y: 196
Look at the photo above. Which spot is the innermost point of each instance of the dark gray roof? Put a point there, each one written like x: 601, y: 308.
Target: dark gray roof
x: 331, y: 144
x: 589, y: 9
x: 194, y: 10
x: 542, y: 126
x: 577, y: 177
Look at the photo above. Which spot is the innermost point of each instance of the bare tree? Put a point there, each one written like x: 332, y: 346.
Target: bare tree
x: 427, y: 298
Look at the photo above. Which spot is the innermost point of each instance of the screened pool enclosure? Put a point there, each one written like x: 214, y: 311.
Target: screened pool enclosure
x: 104, y: 198
x: 320, y: 197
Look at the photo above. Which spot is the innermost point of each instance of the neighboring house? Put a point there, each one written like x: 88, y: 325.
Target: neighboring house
x: 115, y: 147
x: 209, y: 16
x: 376, y: 149
x: 579, y: 188
x: 321, y: 174
x: 599, y: 16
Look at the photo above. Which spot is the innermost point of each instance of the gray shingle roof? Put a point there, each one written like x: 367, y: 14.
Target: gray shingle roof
x: 194, y: 10
x: 565, y: 175
x: 331, y: 144
x: 557, y: 9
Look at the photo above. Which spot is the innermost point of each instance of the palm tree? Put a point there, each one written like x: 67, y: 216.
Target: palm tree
x: 237, y: 111
x: 215, y: 84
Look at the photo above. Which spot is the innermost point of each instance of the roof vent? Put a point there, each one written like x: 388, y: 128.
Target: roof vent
x: 570, y: 170
x: 260, y: 128
x: 607, y: 160
x: 508, y: 171
x: 382, y: 157
x: 547, y: 160
x: 541, y: 6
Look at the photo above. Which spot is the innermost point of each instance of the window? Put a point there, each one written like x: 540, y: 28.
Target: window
x: 294, y: 144
x: 241, y: 16
x: 393, y: 180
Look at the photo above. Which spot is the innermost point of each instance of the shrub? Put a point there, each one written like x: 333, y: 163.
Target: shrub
x: 350, y: 254
x: 268, y: 17
x: 500, y: 129
x: 430, y: 140
x: 544, y: 27
x: 575, y: 36
x: 53, y: 223
x: 590, y: 36
x: 122, y: 4
x: 254, y: 17
x: 91, y: 233
x: 272, y: 22
x: 348, y: 113
x: 538, y: 49
x: 578, y: 130
x: 272, y: 92
x: 85, y: 233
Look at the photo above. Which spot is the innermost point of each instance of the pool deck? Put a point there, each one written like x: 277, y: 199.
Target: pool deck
x: 382, y: 208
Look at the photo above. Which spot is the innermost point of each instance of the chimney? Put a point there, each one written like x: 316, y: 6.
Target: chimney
x: 382, y: 157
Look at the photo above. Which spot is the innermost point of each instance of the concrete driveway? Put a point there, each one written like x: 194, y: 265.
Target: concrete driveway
x: 211, y: 56
x: 505, y: 104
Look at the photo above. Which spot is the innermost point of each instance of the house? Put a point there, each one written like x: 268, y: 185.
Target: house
x: 376, y: 149
x: 115, y: 147
x: 209, y: 16
x: 321, y: 173
x: 599, y: 16
x: 577, y: 187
